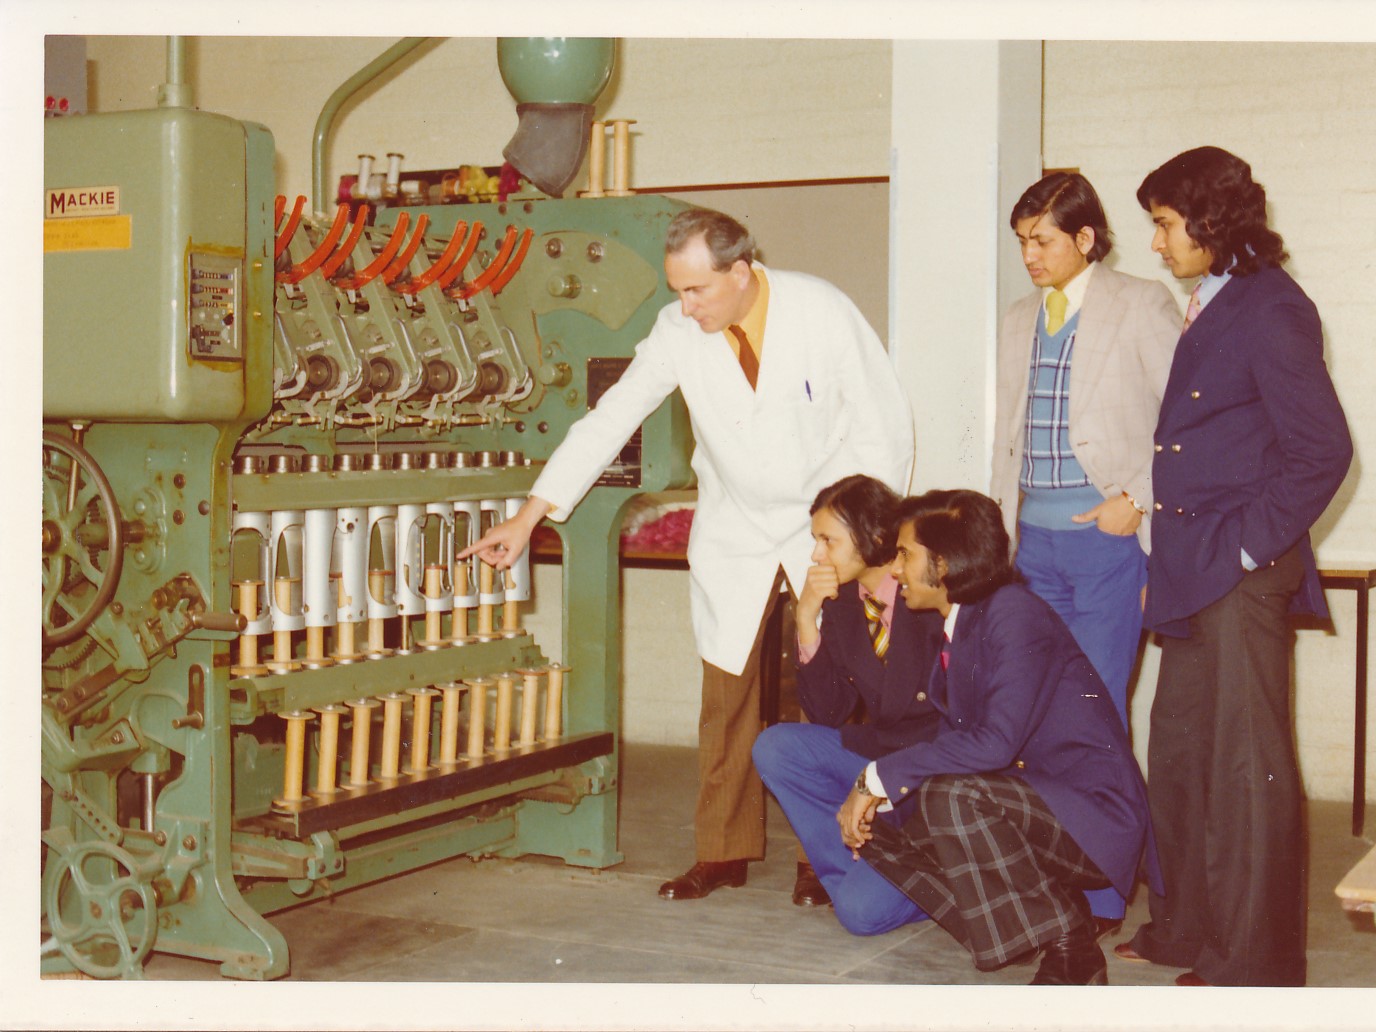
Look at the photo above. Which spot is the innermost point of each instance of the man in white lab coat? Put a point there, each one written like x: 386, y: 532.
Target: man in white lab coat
x: 788, y: 390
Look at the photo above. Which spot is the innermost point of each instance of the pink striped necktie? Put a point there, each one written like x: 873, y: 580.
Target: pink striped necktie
x: 1192, y: 311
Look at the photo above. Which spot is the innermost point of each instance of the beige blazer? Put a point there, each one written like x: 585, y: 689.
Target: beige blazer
x: 1123, y: 348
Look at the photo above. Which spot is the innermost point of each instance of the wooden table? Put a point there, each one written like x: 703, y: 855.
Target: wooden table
x: 1361, y: 582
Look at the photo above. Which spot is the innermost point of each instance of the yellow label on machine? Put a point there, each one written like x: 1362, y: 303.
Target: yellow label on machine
x: 106, y: 233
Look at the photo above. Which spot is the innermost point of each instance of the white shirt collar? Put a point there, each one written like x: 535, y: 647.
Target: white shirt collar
x: 1074, y: 291
x: 950, y: 625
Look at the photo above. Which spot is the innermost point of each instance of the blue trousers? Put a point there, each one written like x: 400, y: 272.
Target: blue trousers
x: 1094, y: 583
x: 811, y: 773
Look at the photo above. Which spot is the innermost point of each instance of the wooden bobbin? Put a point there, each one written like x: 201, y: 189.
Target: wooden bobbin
x: 477, y: 714
x: 530, y: 698
x: 458, y: 628
x: 315, y: 649
x: 327, y: 767
x: 511, y: 609
x: 486, y: 581
x: 294, y: 764
x: 248, y: 665
x: 597, y: 161
x: 345, y: 631
x: 390, y: 767
x: 282, y: 659
x: 554, y: 701
x: 449, y: 723
x: 420, y: 728
x: 501, y: 720
x: 621, y: 157
x: 377, y: 626
x: 363, y: 729
x: 434, y: 618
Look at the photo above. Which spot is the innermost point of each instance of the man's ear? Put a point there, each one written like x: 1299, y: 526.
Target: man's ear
x: 1084, y: 240
x: 941, y: 567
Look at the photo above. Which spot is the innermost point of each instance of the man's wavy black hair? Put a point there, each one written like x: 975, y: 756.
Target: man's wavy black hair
x: 965, y: 528
x: 1223, y: 207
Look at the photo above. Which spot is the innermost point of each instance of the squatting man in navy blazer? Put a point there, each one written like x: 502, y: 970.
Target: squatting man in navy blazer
x: 1029, y: 793
x: 857, y: 678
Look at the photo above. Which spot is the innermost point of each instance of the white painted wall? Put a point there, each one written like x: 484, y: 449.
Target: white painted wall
x: 965, y: 134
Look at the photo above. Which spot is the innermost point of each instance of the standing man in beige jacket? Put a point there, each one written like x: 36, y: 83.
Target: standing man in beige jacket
x: 1082, y: 365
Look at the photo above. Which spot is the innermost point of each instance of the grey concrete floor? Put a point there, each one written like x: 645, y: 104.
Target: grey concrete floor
x: 535, y: 920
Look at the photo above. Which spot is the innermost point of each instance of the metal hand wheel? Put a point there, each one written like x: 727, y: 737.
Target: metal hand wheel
x: 75, y: 589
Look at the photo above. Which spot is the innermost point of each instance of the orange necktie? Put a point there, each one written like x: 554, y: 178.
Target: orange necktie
x: 750, y: 365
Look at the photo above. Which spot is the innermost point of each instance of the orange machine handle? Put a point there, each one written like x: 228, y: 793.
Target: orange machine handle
x: 347, y: 248
x: 490, y: 273
x: 441, y: 265
x: 404, y: 259
x: 278, y: 206
x: 295, y: 220
x: 461, y: 262
x: 299, y: 272
x: 380, y: 262
x: 513, y: 266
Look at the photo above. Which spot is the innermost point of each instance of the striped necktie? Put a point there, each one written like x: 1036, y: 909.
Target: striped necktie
x: 879, y: 634
x: 750, y: 365
x: 1193, y: 309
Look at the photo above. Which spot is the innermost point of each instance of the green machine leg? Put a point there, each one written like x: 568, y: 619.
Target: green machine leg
x: 583, y: 832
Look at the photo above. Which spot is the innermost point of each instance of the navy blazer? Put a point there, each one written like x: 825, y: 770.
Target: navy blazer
x: 845, y: 671
x: 1020, y: 698
x: 1251, y: 446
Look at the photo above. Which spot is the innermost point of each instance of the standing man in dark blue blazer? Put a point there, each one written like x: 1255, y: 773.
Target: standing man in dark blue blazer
x: 1029, y: 793
x: 1251, y: 446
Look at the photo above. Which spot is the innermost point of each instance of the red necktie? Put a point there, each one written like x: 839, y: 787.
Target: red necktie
x: 946, y: 653
x: 750, y: 365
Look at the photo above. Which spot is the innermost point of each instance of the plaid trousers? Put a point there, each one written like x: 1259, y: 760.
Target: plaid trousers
x: 986, y: 858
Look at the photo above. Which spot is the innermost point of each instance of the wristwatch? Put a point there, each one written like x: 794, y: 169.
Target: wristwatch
x: 1135, y: 503
x: 860, y: 785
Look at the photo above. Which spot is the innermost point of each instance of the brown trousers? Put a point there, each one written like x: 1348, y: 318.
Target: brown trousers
x: 730, y: 812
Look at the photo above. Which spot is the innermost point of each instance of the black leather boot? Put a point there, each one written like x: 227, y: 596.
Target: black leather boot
x: 1073, y: 959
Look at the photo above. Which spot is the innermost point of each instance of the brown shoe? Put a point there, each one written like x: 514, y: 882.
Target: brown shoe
x: 703, y: 877
x: 1124, y: 951
x: 808, y: 890
x: 1190, y: 978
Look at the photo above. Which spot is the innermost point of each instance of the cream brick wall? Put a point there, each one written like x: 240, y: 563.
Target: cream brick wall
x: 1304, y: 117
x: 707, y: 111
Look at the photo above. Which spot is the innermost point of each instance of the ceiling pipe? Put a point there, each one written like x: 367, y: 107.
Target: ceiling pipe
x: 347, y: 89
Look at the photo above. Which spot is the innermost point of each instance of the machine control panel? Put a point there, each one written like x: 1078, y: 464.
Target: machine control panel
x: 212, y: 306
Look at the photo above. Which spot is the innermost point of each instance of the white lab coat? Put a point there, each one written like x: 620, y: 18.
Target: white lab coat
x: 826, y: 404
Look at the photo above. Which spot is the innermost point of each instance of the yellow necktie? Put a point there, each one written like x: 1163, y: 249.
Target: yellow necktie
x: 879, y: 634
x: 1056, y: 303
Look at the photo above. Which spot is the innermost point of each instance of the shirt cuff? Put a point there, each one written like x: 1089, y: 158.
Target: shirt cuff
x: 876, y: 786
x: 1248, y: 563
x: 806, y: 652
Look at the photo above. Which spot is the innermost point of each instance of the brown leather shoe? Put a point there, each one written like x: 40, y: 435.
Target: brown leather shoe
x: 808, y: 890
x: 1124, y: 951
x: 703, y: 877
x: 1190, y: 978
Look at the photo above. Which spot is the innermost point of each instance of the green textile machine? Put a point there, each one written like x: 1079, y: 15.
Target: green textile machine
x: 266, y: 435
